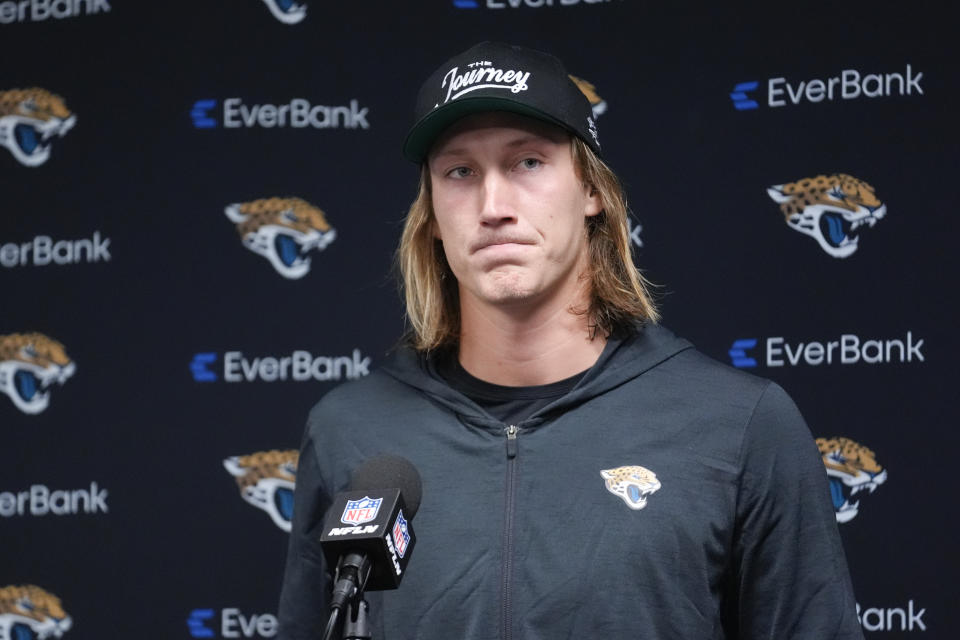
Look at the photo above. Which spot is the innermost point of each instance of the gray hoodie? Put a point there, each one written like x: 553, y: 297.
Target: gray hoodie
x: 667, y: 496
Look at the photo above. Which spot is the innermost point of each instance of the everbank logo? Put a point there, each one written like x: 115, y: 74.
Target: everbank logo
x: 849, y: 349
x: 849, y: 84
x: 300, y: 366
x: 40, y: 10
x: 517, y: 4
x: 44, y: 250
x: 298, y: 113
x: 909, y: 618
x: 233, y: 624
x: 39, y: 500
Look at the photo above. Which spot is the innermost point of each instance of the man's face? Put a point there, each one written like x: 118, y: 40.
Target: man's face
x: 510, y: 209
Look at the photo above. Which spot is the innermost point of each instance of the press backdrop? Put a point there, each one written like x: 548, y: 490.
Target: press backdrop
x: 200, y: 202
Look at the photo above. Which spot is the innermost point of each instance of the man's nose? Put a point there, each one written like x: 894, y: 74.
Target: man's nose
x: 498, y: 204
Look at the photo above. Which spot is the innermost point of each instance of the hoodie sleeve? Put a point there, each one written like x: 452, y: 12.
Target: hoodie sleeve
x: 306, y: 587
x: 790, y: 573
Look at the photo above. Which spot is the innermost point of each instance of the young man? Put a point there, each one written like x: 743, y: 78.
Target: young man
x: 585, y: 473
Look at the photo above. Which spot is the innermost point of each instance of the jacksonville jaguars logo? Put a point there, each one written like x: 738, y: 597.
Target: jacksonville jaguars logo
x: 598, y: 104
x: 287, y: 11
x: 29, y: 120
x: 29, y: 364
x: 28, y: 612
x: 284, y: 231
x: 832, y: 209
x: 632, y: 484
x: 853, y: 471
x: 266, y: 480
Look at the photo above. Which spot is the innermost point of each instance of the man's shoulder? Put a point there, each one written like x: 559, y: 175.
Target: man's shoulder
x: 690, y: 367
x: 384, y: 389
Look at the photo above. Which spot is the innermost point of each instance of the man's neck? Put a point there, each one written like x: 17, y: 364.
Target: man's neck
x: 516, y: 347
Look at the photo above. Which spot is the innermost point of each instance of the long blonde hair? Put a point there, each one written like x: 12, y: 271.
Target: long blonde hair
x: 619, y: 295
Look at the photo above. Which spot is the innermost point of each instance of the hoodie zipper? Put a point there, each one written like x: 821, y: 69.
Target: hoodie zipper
x: 511, y: 432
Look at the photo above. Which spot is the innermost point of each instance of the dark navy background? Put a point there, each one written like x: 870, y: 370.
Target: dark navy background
x: 177, y: 536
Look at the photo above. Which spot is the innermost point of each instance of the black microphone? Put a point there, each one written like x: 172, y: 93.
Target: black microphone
x: 367, y: 534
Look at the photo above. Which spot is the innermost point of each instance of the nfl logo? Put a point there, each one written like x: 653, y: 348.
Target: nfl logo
x: 359, y: 511
x: 400, y: 536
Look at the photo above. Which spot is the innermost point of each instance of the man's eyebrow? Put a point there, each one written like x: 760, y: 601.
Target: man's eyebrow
x: 516, y: 142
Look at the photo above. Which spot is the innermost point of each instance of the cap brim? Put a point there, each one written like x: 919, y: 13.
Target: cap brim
x: 425, y: 133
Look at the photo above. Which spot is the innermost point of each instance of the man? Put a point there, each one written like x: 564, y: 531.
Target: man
x: 586, y: 474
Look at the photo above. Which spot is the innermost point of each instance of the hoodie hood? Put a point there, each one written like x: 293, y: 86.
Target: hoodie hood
x: 622, y: 360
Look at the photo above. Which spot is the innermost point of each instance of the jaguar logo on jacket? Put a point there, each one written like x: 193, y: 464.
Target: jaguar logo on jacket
x: 633, y: 484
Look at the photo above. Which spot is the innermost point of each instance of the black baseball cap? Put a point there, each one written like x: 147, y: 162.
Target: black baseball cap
x: 493, y: 76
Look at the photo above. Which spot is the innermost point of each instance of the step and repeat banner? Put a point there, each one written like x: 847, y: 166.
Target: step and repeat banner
x: 200, y: 203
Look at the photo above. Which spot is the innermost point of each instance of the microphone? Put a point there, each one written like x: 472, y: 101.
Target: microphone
x: 367, y: 534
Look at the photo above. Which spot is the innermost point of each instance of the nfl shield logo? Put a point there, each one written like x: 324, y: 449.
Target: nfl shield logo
x: 401, y: 538
x: 359, y: 511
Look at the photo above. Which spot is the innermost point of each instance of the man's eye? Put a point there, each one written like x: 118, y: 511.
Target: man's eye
x: 530, y: 163
x: 459, y: 172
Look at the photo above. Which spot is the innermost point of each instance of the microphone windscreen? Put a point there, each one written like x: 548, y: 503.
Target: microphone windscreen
x: 390, y: 472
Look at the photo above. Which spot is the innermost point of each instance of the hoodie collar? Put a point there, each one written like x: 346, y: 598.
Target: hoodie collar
x: 623, y: 359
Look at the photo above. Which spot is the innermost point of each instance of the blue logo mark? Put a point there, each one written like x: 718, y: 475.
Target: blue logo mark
x: 198, y: 367
x: 195, y: 623
x: 466, y: 4
x: 360, y: 511
x: 200, y: 115
x: 741, y: 101
x: 401, y: 535
x: 738, y: 353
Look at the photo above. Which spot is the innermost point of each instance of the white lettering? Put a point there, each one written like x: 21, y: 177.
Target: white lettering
x: 879, y: 619
x: 44, y: 9
x: 267, y: 117
x: 913, y: 82
x: 849, y: 349
x: 877, y: 89
x: 850, y: 84
x: 852, y: 350
x: 301, y: 115
x: 831, y: 83
x: 233, y: 624
x: 8, y: 12
x: 469, y: 81
x: 230, y: 366
x: 8, y: 504
x: 773, y: 351
x: 39, y: 500
x: 300, y: 366
x: 354, y: 530
x: 41, y: 250
x: 269, y: 369
x: 393, y: 553
x: 912, y: 349
x: 230, y: 113
x: 772, y: 91
x: 816, y: 90
x: 813, y: 353
x: 876, y: 348
x: 9, y: 255
x: 795, y: 97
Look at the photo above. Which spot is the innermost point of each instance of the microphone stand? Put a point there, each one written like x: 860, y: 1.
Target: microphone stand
x: 349, y: 582
x: 356, y: 626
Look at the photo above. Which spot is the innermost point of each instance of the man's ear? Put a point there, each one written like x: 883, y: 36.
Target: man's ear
x: 594, y: 204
